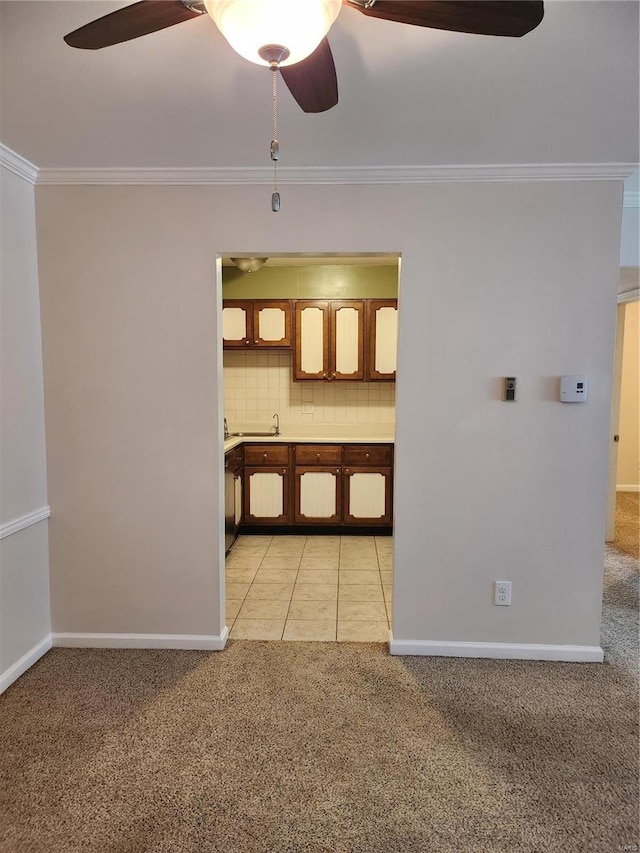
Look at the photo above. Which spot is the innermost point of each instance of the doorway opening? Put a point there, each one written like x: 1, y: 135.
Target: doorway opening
x: 309, y: 373
x: 623, y: 514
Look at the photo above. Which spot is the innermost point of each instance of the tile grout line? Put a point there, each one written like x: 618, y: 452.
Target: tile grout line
x: 286, y: 618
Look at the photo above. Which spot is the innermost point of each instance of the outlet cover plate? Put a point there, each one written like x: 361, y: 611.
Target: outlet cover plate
x: 502, y: 593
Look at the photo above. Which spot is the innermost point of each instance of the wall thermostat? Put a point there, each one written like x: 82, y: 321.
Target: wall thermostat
x: 573, y: 389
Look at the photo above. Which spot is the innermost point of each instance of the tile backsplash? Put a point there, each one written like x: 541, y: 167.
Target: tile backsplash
x: 258, y: 383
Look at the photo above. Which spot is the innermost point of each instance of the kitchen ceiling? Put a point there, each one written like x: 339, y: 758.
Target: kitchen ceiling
x: 565, y: 93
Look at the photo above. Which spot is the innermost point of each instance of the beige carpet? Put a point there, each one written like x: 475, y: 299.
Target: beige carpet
x: 627, y: 530
x: 318, y: 747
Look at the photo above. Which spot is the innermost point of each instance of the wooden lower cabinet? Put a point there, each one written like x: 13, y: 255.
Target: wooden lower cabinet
x: 318, y: 485
x: 266, y: 496
x: 367, y: 496
x: 318, y: 495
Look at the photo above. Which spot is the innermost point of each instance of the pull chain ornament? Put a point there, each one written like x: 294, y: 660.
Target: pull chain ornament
x: 275, y: 145
x: 274, y: 54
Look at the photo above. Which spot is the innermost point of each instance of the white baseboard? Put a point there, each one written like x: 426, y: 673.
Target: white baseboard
x: 27, y: 660
x: 210, y: 643
x: 624, y: 488
x: 510, y: 651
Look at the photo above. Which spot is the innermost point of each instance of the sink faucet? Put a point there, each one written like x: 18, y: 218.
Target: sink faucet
x: 226, y: 429
x: 277, y: 417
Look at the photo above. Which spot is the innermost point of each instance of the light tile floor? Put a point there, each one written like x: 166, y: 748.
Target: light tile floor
x: 310, y: 588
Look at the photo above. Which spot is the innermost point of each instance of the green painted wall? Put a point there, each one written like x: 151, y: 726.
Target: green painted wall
x: 312, y: 282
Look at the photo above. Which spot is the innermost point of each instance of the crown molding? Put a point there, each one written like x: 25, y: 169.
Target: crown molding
x: 18, y: 165
x: 337, y: 175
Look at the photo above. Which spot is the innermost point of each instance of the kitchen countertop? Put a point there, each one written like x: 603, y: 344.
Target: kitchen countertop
x: 338, y: 436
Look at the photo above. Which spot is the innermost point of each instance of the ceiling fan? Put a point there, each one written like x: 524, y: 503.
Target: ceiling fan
x: 309, y: 71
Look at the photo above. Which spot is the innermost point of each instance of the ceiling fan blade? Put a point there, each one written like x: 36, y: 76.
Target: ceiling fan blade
x: 313, y: 82
x: 484, y: 17
x: 130, y: 22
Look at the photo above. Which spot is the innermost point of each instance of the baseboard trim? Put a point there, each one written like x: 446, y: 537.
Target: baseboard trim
x: 500, y: 651
x: 203, y: 642
x: 26, y: 661
x: 624, y: 488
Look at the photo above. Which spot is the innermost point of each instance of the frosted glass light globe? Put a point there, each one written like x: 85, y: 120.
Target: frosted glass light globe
x: 298, y: 25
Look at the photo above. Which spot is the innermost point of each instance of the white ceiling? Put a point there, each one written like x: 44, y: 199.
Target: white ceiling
x: 566, y: 93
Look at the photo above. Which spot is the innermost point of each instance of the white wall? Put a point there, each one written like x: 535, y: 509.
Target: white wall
x: 24, y: 566
x: 497, y: 279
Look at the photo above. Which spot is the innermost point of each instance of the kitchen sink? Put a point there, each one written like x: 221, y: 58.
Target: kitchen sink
x: 251, y: 434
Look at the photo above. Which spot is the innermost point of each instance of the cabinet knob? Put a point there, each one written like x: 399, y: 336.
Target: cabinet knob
x: 317, y: 456
x: 324, y: 375
x: 256, y: 342
x: 247, y: 342
x: 337, y: 470
x: 346, y: 470
x: 367, y: 455
x: 284, y: 470
x: 264, y: 455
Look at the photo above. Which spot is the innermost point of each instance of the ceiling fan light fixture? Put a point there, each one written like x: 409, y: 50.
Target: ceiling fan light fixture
x: 297, y: 25
x: 249, y: 264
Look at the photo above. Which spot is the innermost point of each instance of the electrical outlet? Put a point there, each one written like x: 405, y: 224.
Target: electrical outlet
x: 307, y: 408
x: 502, y: 593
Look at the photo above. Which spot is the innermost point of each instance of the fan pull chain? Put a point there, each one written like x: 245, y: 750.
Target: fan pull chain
x: 275, y: 145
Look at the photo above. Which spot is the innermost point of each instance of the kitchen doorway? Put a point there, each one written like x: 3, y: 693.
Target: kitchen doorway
x: 309, y: 351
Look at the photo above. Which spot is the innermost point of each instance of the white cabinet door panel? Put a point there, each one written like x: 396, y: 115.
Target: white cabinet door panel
x: 367, y: 496
x: 234, y: 324
x: 312, y: 340
x: 386, y: 320
x: 266, y: 495
x: 347, y: 343
x: 237, y: 494
x: 271, y: 324
x: 318, y: 495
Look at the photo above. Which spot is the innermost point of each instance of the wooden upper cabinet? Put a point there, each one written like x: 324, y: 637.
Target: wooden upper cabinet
x: 256, y: 324
x: 382, y: 323
x: 237, y: 324
x: 329, y: 339
x: 272, y: 324
x: 311, y: 359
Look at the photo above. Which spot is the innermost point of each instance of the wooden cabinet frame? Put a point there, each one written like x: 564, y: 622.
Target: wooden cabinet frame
x: 385, y: 519
x: 252, y: 308
x: 371, y: 373
x: 330, y: 310
x: 300, y: 305
x: 336, y: 472
x: 308, y: 457
x: 285, y: 517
